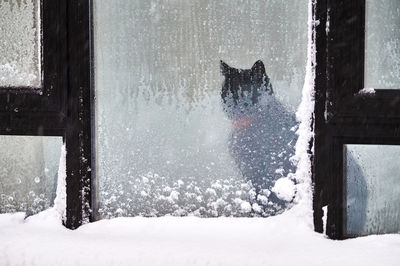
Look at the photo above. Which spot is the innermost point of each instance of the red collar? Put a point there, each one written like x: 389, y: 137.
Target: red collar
x: 241, y: 123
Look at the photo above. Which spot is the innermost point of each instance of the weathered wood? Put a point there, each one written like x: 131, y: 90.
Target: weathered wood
x: 20, y: 106
x: 342, y: 116
x: 78, y: 130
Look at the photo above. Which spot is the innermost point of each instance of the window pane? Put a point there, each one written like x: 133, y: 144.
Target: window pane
x: 373, y: 189
x: 382, y: 56
x: 167, y: 142
x: 20, y: 43
x: 28, y: 173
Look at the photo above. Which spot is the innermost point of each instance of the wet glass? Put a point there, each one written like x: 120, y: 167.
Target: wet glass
x: 28, y: 173
x: 373, y: 189
x: 20, y: 44
x: 195, y: 105
x: 382, y: 44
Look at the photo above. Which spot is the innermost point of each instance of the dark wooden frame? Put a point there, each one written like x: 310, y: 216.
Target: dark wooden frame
x: 62, y: 106
x: 41, y: 111
x: 79, y: 116
x: 342, y: 114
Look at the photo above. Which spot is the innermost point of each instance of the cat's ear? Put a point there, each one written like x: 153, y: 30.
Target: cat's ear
x: 258, y: 69
x: 225, y: 69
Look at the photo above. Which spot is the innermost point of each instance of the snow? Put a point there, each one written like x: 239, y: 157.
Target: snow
x: 367, y: 91
x: 60, y: 202
x: 284, y: 188
x: 304, y: 115
x: 286, y: 239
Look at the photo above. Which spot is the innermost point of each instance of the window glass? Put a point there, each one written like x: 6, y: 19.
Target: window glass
x: 20, y: 46
x: 382, y: 42
x: 28, y: 173
x: 181, y: 132
x: 373, y: 189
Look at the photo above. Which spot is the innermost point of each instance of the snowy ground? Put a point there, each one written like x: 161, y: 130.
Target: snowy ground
x: 286, y: 239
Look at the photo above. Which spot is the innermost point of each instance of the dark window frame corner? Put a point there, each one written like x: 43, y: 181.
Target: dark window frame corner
x: 342, y: 114
x: 62, y: 105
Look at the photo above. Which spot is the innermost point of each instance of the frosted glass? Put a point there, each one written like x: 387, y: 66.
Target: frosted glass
x: 28, y: 173
x: 20, y: 46
x: 166, y: 143
x: 382, y: 54
x: 373, y: 189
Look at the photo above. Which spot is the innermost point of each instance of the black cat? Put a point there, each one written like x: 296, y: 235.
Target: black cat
x: 262, y: 141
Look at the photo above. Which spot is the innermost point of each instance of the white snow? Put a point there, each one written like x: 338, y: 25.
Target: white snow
x: 324, y: 217
x: 367, y: 91
x: 263, y: 199
x: 284, y: 188
x: 256, y: 207
x: 285, y: 239
x: 60, y: 202
x: 245, y: 207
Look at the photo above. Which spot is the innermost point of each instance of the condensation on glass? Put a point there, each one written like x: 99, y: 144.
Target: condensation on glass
x: 166, y: 141
x: 28, y: 173
x: 382, y: 44
x: 373, y: 189
x: 20, y: 44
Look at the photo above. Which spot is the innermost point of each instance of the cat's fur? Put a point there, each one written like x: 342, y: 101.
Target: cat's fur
x: 262, y: 141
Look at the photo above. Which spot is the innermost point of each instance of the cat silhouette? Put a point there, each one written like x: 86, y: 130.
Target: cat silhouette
x: 262, y: 141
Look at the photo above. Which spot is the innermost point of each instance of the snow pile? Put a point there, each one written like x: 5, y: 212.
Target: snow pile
x: 284, y: 188
x: 60, y: 202
x: 367, y: 91
x: 302, y: 157
x: 280, y: 240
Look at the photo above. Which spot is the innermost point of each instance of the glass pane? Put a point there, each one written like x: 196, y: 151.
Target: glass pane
x: 167, y: 142
x: 28, y: 173
x: 382, y: 43
x: 20, y: 47
x: 373, y: 189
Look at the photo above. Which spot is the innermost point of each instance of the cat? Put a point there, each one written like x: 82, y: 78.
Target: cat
x: 262, y: 141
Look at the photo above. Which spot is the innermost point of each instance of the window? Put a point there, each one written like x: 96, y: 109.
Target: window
x: 372, y: 191
x: 45, y: 97
x: 20, y: 63
x: 28, y: 175
x: 33, y: 87
x: 134, y: 91
x: 32, y: 95
x: 170, y: 138
x: 349, y: 118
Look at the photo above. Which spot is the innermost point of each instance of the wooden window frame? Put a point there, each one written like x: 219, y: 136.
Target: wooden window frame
x: 41, y: 111
x: 62, y: 106
x: 343, y: 115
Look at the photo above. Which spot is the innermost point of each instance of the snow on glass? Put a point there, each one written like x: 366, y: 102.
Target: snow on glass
x: 166, y: 142
x: 372, y: 190
x: 382, y: 43
x: 28, y: 173
x: 20, y: 60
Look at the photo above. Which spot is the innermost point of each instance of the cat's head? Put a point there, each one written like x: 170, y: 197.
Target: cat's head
x: 244, y: 86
